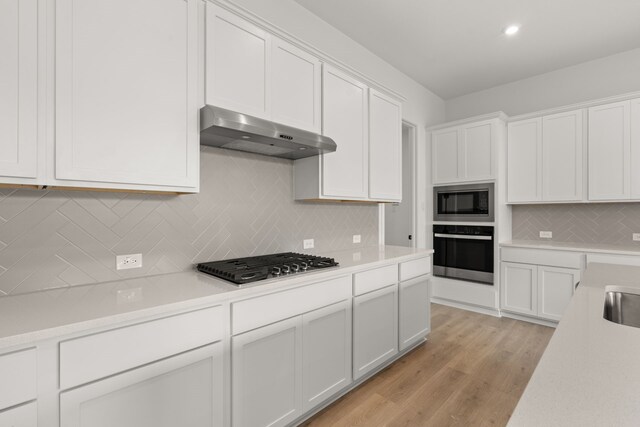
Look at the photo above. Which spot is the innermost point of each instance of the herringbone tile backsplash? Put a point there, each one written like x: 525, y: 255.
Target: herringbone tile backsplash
x: 611, y: 223
x: 54, y: 238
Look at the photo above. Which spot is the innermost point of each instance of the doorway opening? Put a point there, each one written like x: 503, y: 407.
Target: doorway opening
x: 400, y: 218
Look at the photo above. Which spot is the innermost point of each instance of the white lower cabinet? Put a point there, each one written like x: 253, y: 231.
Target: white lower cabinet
x: 537, y: 290
x: 375, y: 329
x: 414, y: 311
x: 183, y: 390
x: 326, y: 337
x: 20, y: 416
x: 285, y: 369
x: 267, y: 375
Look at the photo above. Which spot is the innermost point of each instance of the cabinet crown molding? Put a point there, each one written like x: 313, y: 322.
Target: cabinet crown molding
x: 490, y: 116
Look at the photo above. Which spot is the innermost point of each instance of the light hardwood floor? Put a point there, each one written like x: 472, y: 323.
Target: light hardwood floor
x: 471, y: 372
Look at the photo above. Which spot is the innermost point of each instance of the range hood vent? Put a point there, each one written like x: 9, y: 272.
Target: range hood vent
x: 229, y: 129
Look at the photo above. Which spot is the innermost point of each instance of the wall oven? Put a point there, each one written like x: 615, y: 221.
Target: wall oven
x: 463, y: 252
x: 471, y: 202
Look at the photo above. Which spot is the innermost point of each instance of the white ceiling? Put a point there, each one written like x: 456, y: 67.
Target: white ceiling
x: 455, y: 47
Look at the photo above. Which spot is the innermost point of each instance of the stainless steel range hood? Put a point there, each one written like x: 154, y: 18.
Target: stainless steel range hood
x: 228, y: 129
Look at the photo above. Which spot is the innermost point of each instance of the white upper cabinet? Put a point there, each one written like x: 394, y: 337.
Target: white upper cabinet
x: 464, y: 153
x: 126, y: 100
x: 345, y: 119
x: 18, y: 90
x: 635, y: 149
x: 562, y: 156
x: 544, y: 158
x: 238, y: 56
x: 296, y: 87
x: 524, y: 161
x: 610, y: 151
x: 385, y: 147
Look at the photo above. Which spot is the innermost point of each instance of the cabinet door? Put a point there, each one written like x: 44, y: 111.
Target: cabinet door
x: 444, y: 151
x: 385, y: 147
x: 555, y: 289
x: 519, y: 288
x: 18, y: 88
x: 296, y: 82
x: 184, y: 390
x: 562, y: 156
x: 126, y: 100
x: 267, y: 375
x: 345, y: 119
x: 609, y: 151
x: 326, y: 334
x: 375, y: 329
x: 635, y: 149
x: 476, y: 152
x: 20, y: 416
x: 414, y: 311
x: 237, y: 63
x: 524, y: 161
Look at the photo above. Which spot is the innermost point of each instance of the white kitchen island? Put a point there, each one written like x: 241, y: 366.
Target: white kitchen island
x: 589, y: 373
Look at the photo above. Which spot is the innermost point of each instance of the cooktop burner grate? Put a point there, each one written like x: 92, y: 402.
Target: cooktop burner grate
x: 252, y: 269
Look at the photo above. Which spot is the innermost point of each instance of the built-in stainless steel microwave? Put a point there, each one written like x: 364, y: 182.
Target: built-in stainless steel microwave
x: 469, y: 202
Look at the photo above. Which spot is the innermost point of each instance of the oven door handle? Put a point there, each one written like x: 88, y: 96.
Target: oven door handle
x: 462, y: 236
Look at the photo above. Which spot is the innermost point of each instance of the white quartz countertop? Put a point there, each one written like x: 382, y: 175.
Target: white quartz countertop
x: 575, y: 247
x: 589, y: 375
x: 40, y: 315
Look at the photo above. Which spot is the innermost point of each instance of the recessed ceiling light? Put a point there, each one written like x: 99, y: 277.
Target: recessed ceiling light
x: 511, y: 30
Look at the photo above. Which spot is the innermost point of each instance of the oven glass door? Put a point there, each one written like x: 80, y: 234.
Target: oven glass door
x: 464, y: 257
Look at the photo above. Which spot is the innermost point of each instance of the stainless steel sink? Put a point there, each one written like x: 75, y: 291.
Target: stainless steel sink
x: 622, y: 308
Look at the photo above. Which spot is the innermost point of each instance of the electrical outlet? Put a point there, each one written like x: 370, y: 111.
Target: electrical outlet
x: 357, y: 238
x: 546, y: 234
x: 307, y: 244
x: 125, y: 262
x: 636, y: 237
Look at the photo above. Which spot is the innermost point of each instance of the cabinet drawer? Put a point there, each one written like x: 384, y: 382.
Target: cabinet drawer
x: 415, y: 268
x: 256, y: 312
x: 20, y: 416
x: 377, y: 278
x: 543, y: 257
x: 614, y: 259
x: 18, y: 370
x: 96, y: 356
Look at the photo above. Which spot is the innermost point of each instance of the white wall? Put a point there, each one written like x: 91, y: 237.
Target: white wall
x: 612, y: 75
x: 422, y: 107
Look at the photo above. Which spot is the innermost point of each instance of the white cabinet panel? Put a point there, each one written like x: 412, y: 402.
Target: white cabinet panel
x: 444, y: 149
x: 345, y: 119
x: 327, y: 352
x: 415, y: 268
x: 20, y: 416
x: 524, y: 161
x: 377, y: 278
x: 19, y: 370
x: 519, y: 288
x: 635, y: 149
x: 476, y: 152
x: 238, y: 63
x: 385, y: 147
x: 296, y: 78
x: 184, y: 390
x: 414, y: 311
x: 562, y: 157
x: 267, y: 375
x: 126, y: 100
x: 609, y: 151
x: 555, y: 289
x: 18, y: 88
x: 375, y: 329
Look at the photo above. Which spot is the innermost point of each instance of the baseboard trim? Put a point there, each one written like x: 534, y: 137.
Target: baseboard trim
x: 465, y: 306
x: 542, y: 322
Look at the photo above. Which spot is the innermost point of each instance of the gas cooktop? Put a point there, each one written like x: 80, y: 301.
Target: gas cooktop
x: 252, y: 269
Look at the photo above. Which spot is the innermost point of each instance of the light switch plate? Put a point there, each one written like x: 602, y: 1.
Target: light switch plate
x: 546, y: 234
x: 307, y: 243
x: 357, y: 238
x: 125, y: 262
x: 636, y: 237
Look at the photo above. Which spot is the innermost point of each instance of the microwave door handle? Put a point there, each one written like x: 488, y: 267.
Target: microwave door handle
x: 462, y: 236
